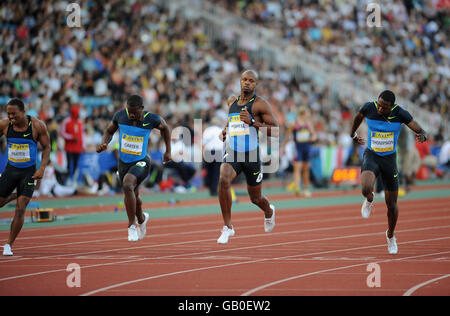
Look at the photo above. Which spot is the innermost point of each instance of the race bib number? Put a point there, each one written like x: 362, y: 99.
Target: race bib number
x: 237, y: 127
x: 382, y: 142
x: 19, y: 153
x: 302, y: 135
x: 132, y: 145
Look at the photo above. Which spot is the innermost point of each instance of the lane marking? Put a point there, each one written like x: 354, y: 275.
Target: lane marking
x: 265, y: 286
x: 418, y: 286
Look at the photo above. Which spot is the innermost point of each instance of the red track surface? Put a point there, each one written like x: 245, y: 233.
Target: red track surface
x: 312, y: 251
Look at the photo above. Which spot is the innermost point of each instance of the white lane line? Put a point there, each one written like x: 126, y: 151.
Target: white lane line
x: 241, y: 248
x: 418, y: 286
x: 249, y: 262
x: 265, y: 286
x: 301, y: 214
x: 196, y: 241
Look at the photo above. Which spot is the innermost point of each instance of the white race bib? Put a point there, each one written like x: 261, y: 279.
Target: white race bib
x: 382, y: 142
x: 132, y: 145
x: 302, y: 135
x: 237, y: 127
x: 19, y: 153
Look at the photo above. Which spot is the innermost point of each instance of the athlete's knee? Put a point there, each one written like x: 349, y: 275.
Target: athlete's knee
x: 128, y: 187
x: 257, y: 199
x: 20, y: 212
x: 392, y: 207
x: 224, y: 183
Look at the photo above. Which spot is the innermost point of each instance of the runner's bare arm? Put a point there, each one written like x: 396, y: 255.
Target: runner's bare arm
x: 421, y: 135
x: 223, y: 135
x: 3, y: 127
x: 287, y: 135
x: 107, y: 136
x: 44, y: 140
x: 165, y: 134
x: 359, y: 117
x: 263, y: 110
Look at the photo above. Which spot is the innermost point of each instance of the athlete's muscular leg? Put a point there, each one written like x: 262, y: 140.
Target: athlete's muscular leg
x: 227, y: 175
x: 258, y: 199
x: 367, y: 182
x: 305, y: 175
x: 6, y: 200
x: 19, y: 218
x: 129, y: 183
x: 297, y: 173
x: 392, y: 210
x: 139, y: 214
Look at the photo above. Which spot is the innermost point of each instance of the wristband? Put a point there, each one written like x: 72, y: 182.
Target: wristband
x: 354, y: 136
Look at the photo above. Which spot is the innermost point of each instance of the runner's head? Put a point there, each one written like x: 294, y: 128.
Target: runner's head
x: 15, y: 109
x: 303, y: 112
x: 134, y: 107
x: 249, y: 81
x: 386, y: 101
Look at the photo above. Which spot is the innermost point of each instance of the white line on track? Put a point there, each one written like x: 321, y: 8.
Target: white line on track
x: 265, y: 286
x: 330, y: 219
x: 244, y: 248
x: 249, y: 262
x: 418, y: 286
x: 324, y: 214
x: 300, y: 214
x: 211, y: 240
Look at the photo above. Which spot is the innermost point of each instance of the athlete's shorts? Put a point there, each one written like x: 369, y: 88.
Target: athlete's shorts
x: 249, y: 163
x: 386, y: 166
x: 140, y: 169
x: 17, y: 178
x: 303, y: 151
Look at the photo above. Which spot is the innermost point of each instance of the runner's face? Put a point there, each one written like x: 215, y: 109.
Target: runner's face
x: 384, y: 107
x: 15, y: 115
x: 135, y: 113
x: 248, y: 83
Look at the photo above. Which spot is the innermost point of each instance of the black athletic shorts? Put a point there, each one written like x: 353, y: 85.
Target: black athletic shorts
x: 248, y: 162
x: 386, y: 166
x: 17, y: 178
x: 140, y: 169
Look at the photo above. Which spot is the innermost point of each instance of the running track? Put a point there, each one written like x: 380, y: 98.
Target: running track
x: 312, y: 251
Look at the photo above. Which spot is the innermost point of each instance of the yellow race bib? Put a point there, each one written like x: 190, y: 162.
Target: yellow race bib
x: 382, y: 142
x: 19, y: 152
x: 236, y: 127
x: 132, y: 145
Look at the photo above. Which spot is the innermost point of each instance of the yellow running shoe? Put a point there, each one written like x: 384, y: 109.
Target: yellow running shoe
x: 233, y: 196
x: 291, y: 187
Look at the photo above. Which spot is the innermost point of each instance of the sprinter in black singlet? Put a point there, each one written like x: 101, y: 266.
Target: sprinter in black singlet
x: 247, y: 114
x: 22, y: 132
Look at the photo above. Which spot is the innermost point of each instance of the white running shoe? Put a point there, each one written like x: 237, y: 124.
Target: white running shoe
x: 7, y: 250
x: 392, y: 244
x: 226, y: 234
x: 142, y: 228
x: 366, y: 208
x: 133, y: 233
x: 269, y: 223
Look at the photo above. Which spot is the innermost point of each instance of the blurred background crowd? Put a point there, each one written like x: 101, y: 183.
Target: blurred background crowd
x: 84, y: 74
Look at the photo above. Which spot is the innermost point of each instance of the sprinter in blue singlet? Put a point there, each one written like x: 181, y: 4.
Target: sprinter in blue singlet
x: 134, y: 125
x: 23, y: 133
x: 384, y: 120
x: 247, y: 114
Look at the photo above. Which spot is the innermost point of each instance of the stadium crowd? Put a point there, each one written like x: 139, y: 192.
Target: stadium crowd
x: 126, y: 47
x: 410, y: 52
